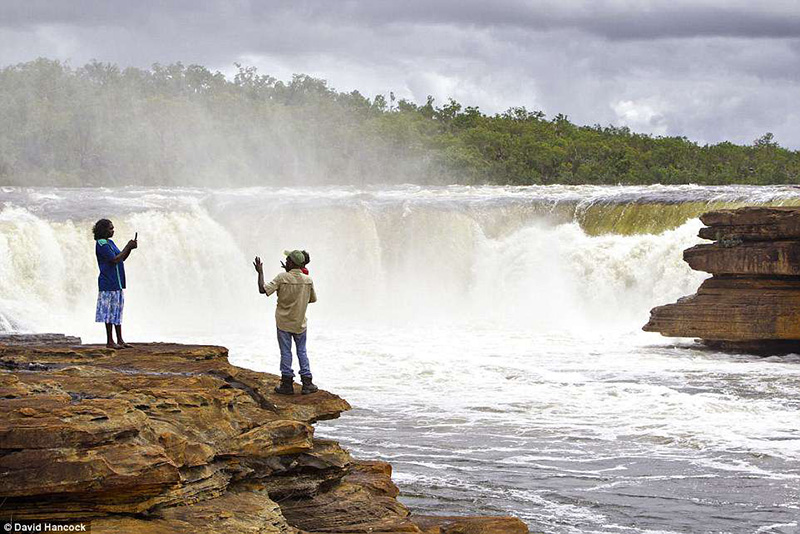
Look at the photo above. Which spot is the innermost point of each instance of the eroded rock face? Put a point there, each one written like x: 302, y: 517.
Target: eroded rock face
x: 751, y: 224
x: 752, y: 301
x: 751, y: 258
x: 172, y: 438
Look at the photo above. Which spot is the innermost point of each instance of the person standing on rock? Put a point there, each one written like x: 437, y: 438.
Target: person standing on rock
x: 111, y: 282
x: 295, y: 291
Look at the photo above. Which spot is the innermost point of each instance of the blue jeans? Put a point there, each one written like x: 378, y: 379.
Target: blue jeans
x: 285, y: 344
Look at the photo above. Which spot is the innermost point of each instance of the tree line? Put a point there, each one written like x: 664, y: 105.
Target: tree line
x: 100, y: 125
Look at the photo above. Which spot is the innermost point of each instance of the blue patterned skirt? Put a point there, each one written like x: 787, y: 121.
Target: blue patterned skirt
x: 109, y: 307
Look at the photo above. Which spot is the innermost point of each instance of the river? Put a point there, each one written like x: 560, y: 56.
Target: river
x: 489, y: 338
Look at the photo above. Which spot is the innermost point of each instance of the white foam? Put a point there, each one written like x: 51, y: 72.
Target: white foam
x: 431, y: 314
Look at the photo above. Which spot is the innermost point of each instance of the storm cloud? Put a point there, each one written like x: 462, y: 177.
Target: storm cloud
x: 707, y: 70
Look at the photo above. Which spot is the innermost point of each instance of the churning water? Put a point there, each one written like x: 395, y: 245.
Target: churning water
x: 489, y: 338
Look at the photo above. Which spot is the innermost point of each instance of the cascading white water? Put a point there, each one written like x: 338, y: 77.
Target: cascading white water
x: 490, y: 344
x: 374, y: 263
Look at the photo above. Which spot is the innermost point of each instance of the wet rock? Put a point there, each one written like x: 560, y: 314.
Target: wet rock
x: 752, y: 301
x: 368, y: 488
x: 38, y: 339
x: 172, y: 438
x: 470, y: 525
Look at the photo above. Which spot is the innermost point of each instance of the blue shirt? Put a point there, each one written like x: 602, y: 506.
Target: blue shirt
x: 112, y: 275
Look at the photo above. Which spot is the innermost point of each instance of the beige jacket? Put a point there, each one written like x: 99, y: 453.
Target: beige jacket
x: 295, y: 292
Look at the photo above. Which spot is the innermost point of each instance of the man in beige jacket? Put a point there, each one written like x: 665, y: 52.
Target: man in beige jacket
x: 295, y: 291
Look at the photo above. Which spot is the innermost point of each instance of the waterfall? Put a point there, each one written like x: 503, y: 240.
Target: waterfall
x: 534, y: 258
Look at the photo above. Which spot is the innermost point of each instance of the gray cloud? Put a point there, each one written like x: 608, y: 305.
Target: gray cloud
x: 606, y: 18
x: 709, y: 70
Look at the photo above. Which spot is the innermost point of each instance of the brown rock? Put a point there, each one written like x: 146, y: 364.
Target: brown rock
x: 767, y: 258
x: 752, y: 301
x: 141, y: 429
x: 271, y: 439
x: 368, y: 488
x: 170, y: 362
x: 733, y: 309
x: 235, y: 512
x: 38, y: 339
x: 171, y: 438
x: 752, y: 224
x: 469, y: 525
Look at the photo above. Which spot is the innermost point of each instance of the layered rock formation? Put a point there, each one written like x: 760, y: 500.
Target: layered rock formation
x: 173, y: 439
x: 752, y: 301
x: 38, y: 339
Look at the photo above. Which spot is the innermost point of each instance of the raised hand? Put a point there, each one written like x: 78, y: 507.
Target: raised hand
x: 258, y: 265
x: 134, y: 243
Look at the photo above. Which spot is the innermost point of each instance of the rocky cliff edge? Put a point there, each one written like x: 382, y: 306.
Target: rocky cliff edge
x: 751, y: 302
x: 166, y: 438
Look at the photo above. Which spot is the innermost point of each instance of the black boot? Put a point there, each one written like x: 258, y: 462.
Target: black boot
x: 286, y: 387
x: 308, y: 385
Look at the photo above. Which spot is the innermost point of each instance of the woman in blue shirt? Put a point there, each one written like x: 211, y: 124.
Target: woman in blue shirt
x: 111, y: 281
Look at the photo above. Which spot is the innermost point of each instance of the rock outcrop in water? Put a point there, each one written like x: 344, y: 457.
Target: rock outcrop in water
x: 752, y: 301
x: 173, y: 439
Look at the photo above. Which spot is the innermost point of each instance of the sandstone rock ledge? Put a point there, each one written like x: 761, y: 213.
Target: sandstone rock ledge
x: 173, y: 439
x: 752, y: 301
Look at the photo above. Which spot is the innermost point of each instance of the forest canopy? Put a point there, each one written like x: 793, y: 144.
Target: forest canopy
x: 100, y: 125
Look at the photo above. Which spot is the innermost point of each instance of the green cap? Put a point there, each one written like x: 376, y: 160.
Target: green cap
x: 297, y: 257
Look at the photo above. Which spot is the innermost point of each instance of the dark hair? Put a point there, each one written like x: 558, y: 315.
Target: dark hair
x: 308, y: 257
x: 102, y: 229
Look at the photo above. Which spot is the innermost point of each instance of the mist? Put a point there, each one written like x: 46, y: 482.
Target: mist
x: 177, y: 125
x: 100, y: 125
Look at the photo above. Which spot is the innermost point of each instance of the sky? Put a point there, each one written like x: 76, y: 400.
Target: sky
x: 706, y: 69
